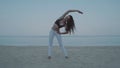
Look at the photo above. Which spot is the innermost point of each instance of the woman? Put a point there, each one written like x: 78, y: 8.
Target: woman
x: 64, y: 21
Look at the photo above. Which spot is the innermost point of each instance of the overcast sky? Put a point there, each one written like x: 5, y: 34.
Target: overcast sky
x: 36, y: 17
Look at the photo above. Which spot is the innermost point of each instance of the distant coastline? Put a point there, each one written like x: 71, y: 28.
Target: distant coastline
x: 62, y: 35
x: 96, y: 40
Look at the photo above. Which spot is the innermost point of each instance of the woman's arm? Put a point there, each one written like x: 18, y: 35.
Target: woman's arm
x: 55, y: 27
x: 70, y: 11
x: 64, y: 32
x: 59, y: 32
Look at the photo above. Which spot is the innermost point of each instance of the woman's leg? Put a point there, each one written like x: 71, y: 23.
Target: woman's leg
x: 58, y: 36
x: 51, y: 36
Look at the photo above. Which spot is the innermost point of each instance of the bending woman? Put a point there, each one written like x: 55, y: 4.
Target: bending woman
x: 64, y: 21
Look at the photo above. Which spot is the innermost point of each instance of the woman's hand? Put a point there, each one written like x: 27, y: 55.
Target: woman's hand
x: 75, y: 11
x: 58, y: 32
x: 80, y: 12
x: 70, y: 11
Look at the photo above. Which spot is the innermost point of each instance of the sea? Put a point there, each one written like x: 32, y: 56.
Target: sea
x: 99, y: 40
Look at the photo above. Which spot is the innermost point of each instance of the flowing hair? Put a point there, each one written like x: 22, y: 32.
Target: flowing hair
x: 70, y: 25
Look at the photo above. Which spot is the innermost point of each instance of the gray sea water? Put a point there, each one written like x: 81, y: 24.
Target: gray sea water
x: 67, y: 40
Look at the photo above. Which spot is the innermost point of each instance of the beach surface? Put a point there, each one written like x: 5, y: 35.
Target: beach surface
x: 79, y: 57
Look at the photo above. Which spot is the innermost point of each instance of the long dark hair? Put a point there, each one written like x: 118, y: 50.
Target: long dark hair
x: 70, y: 25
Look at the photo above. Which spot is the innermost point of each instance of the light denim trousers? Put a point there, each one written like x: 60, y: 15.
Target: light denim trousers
x: 53, y: 34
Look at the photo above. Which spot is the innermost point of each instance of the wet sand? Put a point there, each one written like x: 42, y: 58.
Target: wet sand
x: 79, y: 57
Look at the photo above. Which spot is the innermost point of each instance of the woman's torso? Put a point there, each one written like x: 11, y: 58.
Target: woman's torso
x: 59, y: 24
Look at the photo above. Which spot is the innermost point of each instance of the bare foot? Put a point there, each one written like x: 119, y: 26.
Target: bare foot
x: 49, y: 57
x: 66, y: 57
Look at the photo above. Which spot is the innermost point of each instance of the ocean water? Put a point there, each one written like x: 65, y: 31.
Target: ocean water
x: 67, y: 41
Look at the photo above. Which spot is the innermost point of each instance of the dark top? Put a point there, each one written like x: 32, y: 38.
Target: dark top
x: 57, y: 22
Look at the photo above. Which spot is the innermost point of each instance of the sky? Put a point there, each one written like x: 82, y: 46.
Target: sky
x: 36, y: 17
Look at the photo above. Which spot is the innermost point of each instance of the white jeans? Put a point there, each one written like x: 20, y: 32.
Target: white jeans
x: 51, y: 37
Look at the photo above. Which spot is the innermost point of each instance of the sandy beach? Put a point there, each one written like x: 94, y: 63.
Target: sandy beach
x: 79, y: 57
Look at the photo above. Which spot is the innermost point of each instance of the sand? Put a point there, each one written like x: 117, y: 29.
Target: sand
x: 79, y: 57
